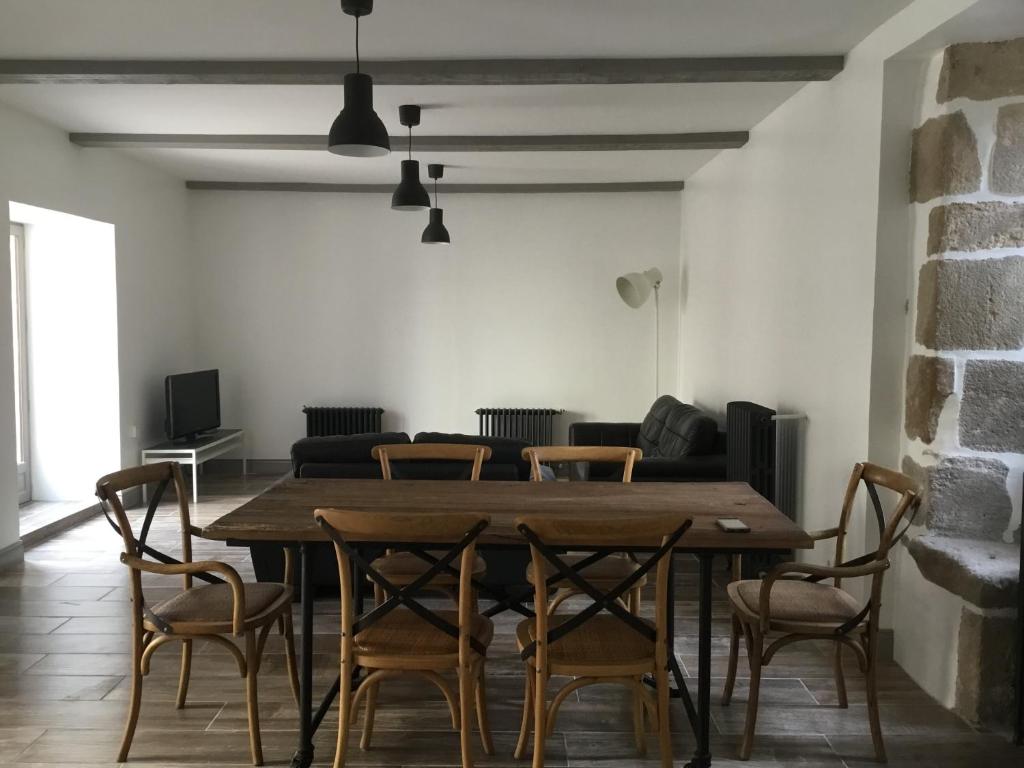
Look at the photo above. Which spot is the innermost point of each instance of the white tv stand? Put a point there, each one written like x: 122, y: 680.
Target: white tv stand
x: 195, y: 452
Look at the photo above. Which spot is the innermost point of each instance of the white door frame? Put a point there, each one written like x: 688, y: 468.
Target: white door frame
x: 20, y: 329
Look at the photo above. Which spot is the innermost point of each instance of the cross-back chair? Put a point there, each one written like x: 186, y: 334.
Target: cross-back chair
x: 224, y: 606
x: 604, y: 642
x: 600, y: 570
x: 401, y: 636
x: 402, y: 568
x: 793, y: 604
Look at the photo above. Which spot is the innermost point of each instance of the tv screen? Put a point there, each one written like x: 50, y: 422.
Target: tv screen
x: 193, y: 403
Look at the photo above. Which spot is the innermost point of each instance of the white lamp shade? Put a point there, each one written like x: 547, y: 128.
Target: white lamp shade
x: 635, y: 287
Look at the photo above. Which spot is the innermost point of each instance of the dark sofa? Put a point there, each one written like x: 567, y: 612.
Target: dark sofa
x: 681, y: 443
x: 349, y: 457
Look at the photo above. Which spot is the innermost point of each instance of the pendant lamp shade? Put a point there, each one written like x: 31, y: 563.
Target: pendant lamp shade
x: 436, y: 233
x: 635, y: 288
x: 358, y: 131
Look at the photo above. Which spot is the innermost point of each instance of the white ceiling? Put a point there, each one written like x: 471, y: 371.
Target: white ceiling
x: 409, y: 29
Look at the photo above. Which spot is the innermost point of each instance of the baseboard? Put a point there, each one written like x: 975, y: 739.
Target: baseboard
x: 59, y: 526
x: 886, y: 644
x: 12, y: 555
x: 255, y: 466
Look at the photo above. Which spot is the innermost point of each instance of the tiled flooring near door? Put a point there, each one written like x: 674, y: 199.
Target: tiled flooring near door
x: 64, y: 654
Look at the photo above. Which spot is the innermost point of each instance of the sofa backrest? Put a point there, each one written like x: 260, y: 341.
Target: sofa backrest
x: 673, y: 429
x: 340, y: 450
x: 505, y: 451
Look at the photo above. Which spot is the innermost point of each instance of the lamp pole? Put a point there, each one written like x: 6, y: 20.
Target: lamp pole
x: 657, y: 343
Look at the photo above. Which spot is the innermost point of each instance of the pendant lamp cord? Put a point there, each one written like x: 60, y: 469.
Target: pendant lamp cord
x: 410, y: 142
x: 357, y: 44
x: 435, y: 194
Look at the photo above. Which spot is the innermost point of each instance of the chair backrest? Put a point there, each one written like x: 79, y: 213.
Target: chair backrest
x: 550, y: 535
x: 889, y: 531
x: 385, y: 454
x: 163, y: 475
x: 458, y: 531
x: 607, y: 454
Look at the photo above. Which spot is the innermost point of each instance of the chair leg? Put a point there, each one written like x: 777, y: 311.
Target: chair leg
x: 186, y: 668
x: 756, y: 646
x: 837, y: 664
x: 483, y: 721
x: 252, y: 665
x: 639, y: 732
x: 135, y: 700
x: 288, y: 630
x: 371, y: 710
x: 734, y: 655
x: 540, y: 725
x: 345, y: 711
x: 465, y: 713
x: 664, y: 726
x: 873, y: 715
x: 524, y: 726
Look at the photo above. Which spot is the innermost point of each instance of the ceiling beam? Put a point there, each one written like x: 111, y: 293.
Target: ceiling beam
x: 266, y: 186
x: 558, y: 143
x: 757, y: 69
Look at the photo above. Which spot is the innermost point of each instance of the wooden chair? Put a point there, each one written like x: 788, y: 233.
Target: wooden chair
x: 223, y: 607
x: 603, y: 643
x: 603, y: 573
x: 403, y: 568
x: 793, y: 603
x: 403, y: 637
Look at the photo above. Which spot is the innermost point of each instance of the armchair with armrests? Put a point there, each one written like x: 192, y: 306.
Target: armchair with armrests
x: 792, y: 603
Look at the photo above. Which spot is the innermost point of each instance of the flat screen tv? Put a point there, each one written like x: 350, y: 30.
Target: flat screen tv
x: 193, y: 404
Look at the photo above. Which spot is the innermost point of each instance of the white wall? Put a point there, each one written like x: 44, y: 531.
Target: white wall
x: 69, y: 261
x: 779, y: 257
x: 38, y: 166
x: 330, y: 299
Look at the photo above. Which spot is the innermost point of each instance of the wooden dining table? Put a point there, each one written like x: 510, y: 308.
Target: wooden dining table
x: 284, y: 514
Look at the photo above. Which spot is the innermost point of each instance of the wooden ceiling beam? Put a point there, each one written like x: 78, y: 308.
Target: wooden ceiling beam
x: 750, y: 69
x: 557, y: 143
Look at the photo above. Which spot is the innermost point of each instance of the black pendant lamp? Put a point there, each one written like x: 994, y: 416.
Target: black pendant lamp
x: 436, y: 233
x: 358, y: 131
x: 410, y: 194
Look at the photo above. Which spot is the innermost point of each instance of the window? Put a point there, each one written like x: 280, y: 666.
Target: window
x: 19, y: 325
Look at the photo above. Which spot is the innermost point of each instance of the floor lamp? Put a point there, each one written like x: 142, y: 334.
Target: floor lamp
x: 634, y: 289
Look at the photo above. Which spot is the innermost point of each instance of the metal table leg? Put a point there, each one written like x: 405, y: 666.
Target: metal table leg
x: 702, y: 753
x: 303, y: 756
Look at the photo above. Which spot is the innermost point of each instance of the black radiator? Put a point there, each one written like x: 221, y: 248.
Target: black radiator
x: 750, y: 435
x: 323, y: 421
x: 535, y: 425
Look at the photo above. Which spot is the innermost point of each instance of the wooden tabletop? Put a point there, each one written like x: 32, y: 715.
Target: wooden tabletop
x: 284, y: 513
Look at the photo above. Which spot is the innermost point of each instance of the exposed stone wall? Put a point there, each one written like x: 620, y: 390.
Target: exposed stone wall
x: 964, y: 409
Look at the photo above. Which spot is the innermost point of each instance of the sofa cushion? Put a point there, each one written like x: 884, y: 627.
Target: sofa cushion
x: 673, y: 429
x: 356, y: 470
x: 341, y: 449
x: 504, y: 450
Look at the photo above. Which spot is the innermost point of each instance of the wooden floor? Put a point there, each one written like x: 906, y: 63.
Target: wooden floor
x: 64, y: 654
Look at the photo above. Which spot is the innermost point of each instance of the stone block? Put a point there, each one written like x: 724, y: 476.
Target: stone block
x: 992, y: 406
x: 971, y: 304
x: 975, y: 227
x: 929, y: 384
x: 982, y: 71
x: 985, y: 656
x: 984, y: 573
x: 1007, y: 176
x: 944, y: 159
x: 967, y: 496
